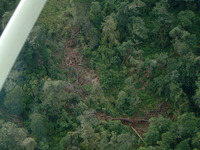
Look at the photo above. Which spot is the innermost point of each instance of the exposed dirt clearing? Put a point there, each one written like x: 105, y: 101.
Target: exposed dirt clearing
x: 73, y: 58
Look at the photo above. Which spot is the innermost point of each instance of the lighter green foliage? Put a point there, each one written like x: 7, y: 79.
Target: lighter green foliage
x: 125, y: 141
x: 29, y: 143
x: 176, y: 32
x: 137, y: 28
x: 14, y: 138
x: 121, y: 98
x: 50, y: 85
x: 162, y: 3
x: 195, y: 141
x: 35, y: 33
x: 97, y: 91
x: 183, y: 41
x: 103, y: 144
x: 95, y: 8
x: 136, y: 4
x: 186, y: 18
x: 110, y: 34
x: 79, y: 10
x: 130, y: 85
x: 88, y: 118
x: 90, y: 137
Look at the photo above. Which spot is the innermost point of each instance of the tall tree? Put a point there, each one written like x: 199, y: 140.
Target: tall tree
x: 110, y: 35
x: 14, y: 100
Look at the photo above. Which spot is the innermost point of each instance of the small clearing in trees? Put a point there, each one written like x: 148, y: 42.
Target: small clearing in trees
x: 73, y: 60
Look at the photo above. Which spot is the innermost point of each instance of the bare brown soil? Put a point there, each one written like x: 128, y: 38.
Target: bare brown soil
x: 85, y: 75
x: 73, y: 58
x: 140, y: 124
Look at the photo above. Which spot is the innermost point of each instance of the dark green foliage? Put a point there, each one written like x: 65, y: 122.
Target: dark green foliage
x: 14, y: 100
x: 183, y: 42
x: 157, y: 126
x: 96, y: 14
x: 54, y: 98
x: 164, y: 21
x: 173, y: 135
x: 5, y: 7
x: 186, y: 18
x: 109, y: 135
x: 38, y: 126
x: 183, y: 145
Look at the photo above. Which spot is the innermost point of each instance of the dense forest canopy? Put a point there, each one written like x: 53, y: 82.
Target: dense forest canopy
x: 105, y: 74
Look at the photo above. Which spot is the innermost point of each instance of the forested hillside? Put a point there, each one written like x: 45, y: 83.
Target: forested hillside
x: 105, y: 75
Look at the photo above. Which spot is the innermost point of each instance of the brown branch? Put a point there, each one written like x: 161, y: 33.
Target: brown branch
x: 123, y: 119
x: 136, y: 132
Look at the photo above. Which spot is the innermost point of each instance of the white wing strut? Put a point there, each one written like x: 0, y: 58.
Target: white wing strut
x: 16, y: 33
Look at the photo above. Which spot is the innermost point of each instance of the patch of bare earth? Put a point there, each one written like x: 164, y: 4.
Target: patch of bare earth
x: 73, y: 60
x: 85, y: 75
x: 139, y: 125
